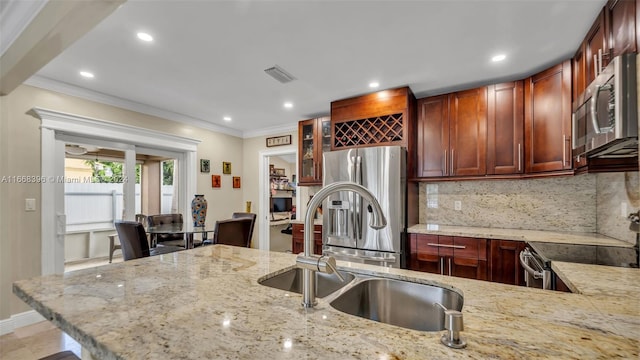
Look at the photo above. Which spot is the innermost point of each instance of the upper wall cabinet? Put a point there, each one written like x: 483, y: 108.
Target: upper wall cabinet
x: 613, y: 33
x: 622, y: 26
x: 547, y: 118
x: 381, y: 118
x: 471, y: 133
x: 314, y: 138
x: 505, y: 127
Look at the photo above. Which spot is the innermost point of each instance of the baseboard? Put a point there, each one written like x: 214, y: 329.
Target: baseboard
x: 19, y: 320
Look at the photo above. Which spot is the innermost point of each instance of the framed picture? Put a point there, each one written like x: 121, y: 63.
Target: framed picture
x: 215, y: 181
x: 279, y: 140
x: 226, y: 168
x: 279, y: 172
x: 236, y: 182
x: 204, y: 165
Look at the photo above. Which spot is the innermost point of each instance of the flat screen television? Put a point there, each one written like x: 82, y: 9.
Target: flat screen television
x: 281, y: 204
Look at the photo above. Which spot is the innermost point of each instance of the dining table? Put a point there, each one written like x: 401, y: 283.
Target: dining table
x: 186, y: 229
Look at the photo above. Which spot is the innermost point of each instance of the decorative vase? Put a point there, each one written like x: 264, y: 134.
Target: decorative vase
x: 199, y: 210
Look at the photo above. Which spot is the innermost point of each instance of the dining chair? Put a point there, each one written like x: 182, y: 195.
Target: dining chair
x: 133, y: 240
x: 141, y: 218
x: 252, y: 216
x: 235, y: 232
x: 166, y: 239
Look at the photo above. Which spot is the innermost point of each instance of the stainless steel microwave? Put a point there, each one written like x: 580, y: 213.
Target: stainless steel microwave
x: 605, y: 115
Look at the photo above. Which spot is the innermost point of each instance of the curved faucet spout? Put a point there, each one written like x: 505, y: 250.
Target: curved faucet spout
x: 311, y: 263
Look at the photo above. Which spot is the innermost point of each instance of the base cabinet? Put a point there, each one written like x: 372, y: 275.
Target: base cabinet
x: 505, y: 262
x: 472, y: 258
x: 449, y: 255
x: 297, y: 242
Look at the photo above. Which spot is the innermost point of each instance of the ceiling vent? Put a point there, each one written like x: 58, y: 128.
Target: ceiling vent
x: 280, y: 74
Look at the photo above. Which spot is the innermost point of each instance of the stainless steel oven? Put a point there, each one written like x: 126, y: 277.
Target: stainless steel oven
x: 605, y: 115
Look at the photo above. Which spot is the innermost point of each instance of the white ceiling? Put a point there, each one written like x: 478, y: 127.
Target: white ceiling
x: 208, y: 57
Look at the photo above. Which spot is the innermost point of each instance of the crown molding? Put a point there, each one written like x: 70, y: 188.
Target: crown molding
x: 274, y: 130
x: 14, y: 18
x: 72, y: 90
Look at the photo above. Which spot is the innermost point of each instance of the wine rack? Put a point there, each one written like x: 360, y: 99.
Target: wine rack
x: 386, y: 129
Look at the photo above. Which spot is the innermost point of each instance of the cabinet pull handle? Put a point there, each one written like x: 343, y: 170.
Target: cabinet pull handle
x: 452, y: 170
x: 445, y: 163
x: 448, y: 246
x: 441, y: 266
x: 314, y: 231
x: 450, y: 267
x: 519, y: 157
x: 564, y: 149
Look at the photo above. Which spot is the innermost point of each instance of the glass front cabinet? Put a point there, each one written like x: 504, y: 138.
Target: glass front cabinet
x: 314, y: 138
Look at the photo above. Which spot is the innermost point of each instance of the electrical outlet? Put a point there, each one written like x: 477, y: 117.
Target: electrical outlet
x: 29, y: 204
x: 457, y: 205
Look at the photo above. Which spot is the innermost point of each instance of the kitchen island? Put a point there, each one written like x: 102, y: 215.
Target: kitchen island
x: 206, y: 303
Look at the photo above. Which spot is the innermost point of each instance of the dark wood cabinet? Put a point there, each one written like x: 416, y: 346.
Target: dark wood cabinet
x: 578, y: 73
x: 433, y: 136
x: 449, y: 255
x: 505, y: 128
x: 451, y: 136
x: 596, y: 48
x: 622, y: 26
x: 314, y: 138
x: 547, y: 118
x: 505, y: 262
x: 382, y: 118
x: 468, y: 132
x: 297, y: 242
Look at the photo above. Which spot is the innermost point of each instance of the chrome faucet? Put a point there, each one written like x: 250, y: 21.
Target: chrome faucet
x: 310, y: 263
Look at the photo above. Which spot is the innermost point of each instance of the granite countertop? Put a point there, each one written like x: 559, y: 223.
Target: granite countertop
x: 301, y: 221
x: 206, y: 303
x: 521, y: 235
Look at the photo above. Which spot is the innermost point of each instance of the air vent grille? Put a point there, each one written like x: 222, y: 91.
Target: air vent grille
x: 279, y: 74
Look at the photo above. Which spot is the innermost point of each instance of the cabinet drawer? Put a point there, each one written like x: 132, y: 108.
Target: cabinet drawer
x: 298, y: 231
x: 470, y: 248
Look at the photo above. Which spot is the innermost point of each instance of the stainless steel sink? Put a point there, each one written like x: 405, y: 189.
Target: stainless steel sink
x: 401, y: 303
x: 292, y: 281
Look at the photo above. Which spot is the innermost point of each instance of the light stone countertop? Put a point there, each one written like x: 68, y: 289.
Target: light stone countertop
x: 206, y: 303
x: 301, y: 221
x: 519, y: 235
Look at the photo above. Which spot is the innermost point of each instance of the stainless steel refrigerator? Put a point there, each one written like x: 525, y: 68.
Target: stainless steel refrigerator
x: 345, y: 219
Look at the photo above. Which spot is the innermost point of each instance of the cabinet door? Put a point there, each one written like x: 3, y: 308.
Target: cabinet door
x: 469, y: 258
x: 324, y: 144
x: 505, y: 127
x: 547, y: 117
x: 595, y: 46
x: 433, y: 136
x: 505, y: 262
x: 422, y: 256
x: 468, y: 132
x: 297, y: 238
x: 622, y: 25
x: 578, y: 82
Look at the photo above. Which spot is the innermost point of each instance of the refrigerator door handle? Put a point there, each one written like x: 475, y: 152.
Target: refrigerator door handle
x: 358, y: 199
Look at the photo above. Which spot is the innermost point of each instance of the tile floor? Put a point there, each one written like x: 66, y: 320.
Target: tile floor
x: 36, y: 341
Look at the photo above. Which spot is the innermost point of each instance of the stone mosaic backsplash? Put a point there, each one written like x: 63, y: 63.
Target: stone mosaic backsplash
x: 566, y: 203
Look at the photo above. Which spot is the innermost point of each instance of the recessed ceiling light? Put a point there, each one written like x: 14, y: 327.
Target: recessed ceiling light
x: 288, y: 105
x: 374, y: 84
x: 87, y: 74
x: 499, y: 57
x: 227, y: 118
x: 145, y: 37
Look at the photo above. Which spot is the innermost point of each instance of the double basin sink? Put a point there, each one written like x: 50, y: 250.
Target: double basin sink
x: 396, y: 302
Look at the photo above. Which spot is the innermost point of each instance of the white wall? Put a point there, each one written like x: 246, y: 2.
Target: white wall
x: 20, y: 242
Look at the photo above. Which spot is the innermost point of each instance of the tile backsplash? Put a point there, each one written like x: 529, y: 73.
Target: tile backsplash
x: 566, y: 203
